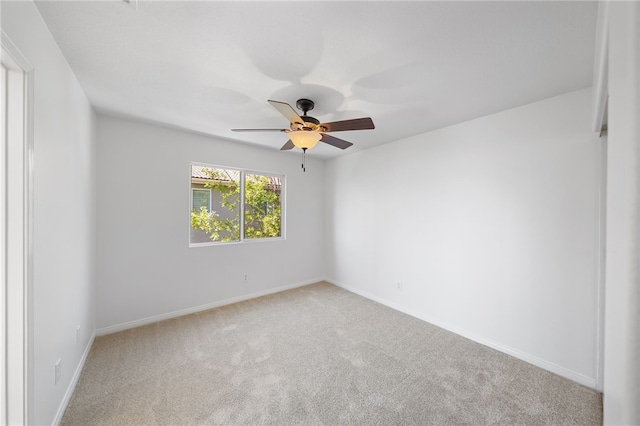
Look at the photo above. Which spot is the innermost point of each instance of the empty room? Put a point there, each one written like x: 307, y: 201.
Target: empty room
x: 320, y: 212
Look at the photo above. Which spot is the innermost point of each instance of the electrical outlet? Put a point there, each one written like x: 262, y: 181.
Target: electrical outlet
x: 246, y: 278
x: 78, y: 334
x: 57, y: 372
x: 399, y: 286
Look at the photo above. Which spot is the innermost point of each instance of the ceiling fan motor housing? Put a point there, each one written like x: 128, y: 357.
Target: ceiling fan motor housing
x: 309, y: 119
x: 306, y: 105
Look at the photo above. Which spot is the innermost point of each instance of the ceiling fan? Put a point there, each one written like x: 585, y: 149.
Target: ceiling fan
x: 305, y: 131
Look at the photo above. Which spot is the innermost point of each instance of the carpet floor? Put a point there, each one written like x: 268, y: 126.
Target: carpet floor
x: 315, y: 355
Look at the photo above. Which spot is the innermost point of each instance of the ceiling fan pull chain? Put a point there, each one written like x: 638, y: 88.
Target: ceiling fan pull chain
x: 304, y: 151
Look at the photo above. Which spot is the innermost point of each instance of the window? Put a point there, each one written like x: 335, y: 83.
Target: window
x: 200, y: 198
x: 231, y: 205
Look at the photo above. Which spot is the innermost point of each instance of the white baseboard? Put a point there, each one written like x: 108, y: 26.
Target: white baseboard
x: 531, y: 359
x: 150, y: 320
x: 74, y: 382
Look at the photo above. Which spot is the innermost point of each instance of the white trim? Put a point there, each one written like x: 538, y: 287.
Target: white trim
x: 156, y: 318
x: 531, y: 359
x: 4, y: 401
x: 29, y: 238
x: 13, y: 56
x: 601, y: 245
x: 601, y: 67
x: 74, y: 381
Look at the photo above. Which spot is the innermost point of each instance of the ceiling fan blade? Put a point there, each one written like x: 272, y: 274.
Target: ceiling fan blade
x: 337, y: 142
x: 258, y: 130
x: 286, y: 110
x: 287, y: 146
x: 355, y: 124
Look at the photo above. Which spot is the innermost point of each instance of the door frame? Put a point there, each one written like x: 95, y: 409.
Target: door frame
x: 601, y: 260
x: 18, y: 357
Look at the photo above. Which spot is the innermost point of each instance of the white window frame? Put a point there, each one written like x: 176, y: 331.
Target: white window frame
x: 242, y: 174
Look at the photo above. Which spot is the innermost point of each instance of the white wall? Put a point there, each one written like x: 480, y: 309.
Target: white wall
x: 145, y: 266
x: 64, y: 212
x: 490, y: 226
x: 622, y: 329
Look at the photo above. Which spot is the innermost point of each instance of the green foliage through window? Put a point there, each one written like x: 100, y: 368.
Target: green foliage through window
x: 262, y: 213
x: 261, y: 207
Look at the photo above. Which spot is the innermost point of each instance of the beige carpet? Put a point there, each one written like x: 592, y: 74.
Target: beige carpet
x: 314, y: 355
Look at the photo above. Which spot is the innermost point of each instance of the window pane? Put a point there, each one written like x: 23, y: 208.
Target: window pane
x: 262, y: 207
x: 201, y: 198
x: 221, y: 223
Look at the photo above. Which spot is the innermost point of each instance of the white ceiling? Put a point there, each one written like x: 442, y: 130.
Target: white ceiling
x: 210, y: 66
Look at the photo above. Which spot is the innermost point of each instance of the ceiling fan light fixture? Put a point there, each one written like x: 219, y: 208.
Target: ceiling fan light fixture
x: 304, y: 139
